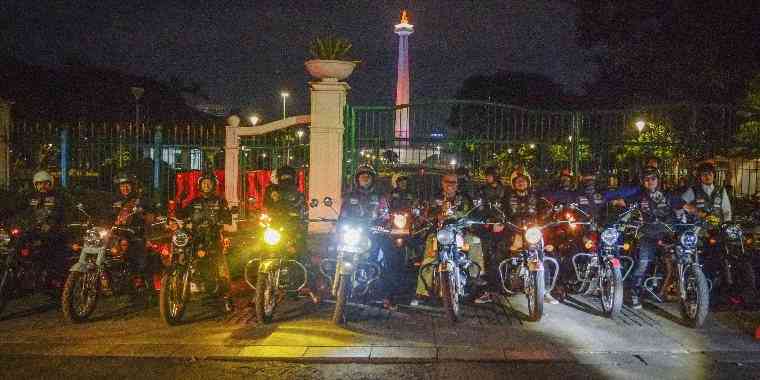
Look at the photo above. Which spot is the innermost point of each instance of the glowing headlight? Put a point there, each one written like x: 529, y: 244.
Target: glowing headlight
x: 271, y: 236
x: 352, y: 236
x: 94, y: 237
x: 533, y: 235
x: 180, y: 238
x: 399, y: 220
x: 445, y: 236
x: 733, y: 232
x: 689, y: 240
x: 610, y: 236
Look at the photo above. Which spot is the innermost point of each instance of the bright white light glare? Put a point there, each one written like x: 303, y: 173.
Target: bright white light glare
x: 284, y: 94
x: 254, y: 119
x: 640, y: 125
x: 352, y: 236
x: 533, y: 235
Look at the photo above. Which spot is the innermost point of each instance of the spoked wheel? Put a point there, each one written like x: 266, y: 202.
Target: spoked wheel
x: 534, y: 291
x: 341, y: 299
x: 449, y: 295
x: 695, y: 306
x: 6, y: 285
x: 80, y: 296
x: 171, y: 298
x: 265, y: 297
x: 611, y: 289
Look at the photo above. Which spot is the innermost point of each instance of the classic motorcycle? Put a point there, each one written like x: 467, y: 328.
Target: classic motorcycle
x: 102, y: 269
x: 734, y: 273
x: 271, y: 273
x: 190, y: 270
x: 686, y: 278
x: 600, y: 271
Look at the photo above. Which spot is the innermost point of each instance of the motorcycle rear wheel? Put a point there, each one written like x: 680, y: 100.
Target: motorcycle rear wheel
x: 695, y: 307
x: 265, y: 298
x: 611, y: 290
x: 80, y: 287
x: 170, y: 302
x: 534, y: 291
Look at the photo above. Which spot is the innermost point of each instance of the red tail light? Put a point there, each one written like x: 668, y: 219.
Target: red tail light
x: 25, y: 252
x: 16, y: 232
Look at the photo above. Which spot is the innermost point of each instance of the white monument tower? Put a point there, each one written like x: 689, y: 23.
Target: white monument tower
x: 401, y: 128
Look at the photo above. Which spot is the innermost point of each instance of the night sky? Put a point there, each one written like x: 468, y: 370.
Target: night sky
x: 245, y: 52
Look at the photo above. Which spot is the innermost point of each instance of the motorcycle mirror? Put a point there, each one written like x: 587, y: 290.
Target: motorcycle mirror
x: 328, y: 201
x: 314, y: 203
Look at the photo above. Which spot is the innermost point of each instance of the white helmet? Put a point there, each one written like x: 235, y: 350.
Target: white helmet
x: 42, y: 176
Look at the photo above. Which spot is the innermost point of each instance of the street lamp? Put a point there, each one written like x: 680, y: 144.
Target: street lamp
x: 640, y: 124
x: 284, y: 96
x: 299, y: 133
x: 254, y: 119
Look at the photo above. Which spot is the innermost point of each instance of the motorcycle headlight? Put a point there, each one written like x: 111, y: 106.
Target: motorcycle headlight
x: 94, y: 237
x: 352, y: 236
x: 400, y: 220
x: 271, y: 236
x: 180, y: 238
x: 445, y: 236
x: 689, y: 240
x: 610, y: 236
x: 533, y: 235
x: 733, y: 232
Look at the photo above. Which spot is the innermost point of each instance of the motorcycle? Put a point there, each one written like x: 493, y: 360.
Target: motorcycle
x: 686, y: 278
x: 190, y: 270
x: 271, y: 273
x: 734, y: 273
x: 102, y: 269
x: 23, y: 269
x: 600, y: 269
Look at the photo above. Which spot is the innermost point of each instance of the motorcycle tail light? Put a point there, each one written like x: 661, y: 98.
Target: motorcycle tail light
x: 25, y: 252
x: 201, y: 253
x: 712, y: 241
x: 16, y: 232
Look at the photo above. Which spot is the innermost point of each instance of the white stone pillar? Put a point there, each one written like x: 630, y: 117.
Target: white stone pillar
x: 5, y: 128
x: 328, y: 101
x: 232, y: 167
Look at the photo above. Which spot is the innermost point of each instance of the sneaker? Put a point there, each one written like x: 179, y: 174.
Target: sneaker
x: 548, y: 298
x: 485, y: 298
x: 417, y: 301
x: 635, y: 303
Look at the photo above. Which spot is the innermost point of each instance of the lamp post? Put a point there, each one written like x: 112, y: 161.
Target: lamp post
x: 284, y: 96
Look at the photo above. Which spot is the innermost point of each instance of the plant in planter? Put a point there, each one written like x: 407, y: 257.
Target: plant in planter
x: 330, y: 61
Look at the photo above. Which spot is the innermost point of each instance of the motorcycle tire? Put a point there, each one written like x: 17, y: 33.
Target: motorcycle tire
x: 341, y: 299
x: 264, y: 291
x: 696, y: 288
x: 6, y: 286
x: 611, y: 294
x: 747, y: 279
x: 534, y: 292
x: 449, y: 297
x: 75, y: 281
x: 172, y: 314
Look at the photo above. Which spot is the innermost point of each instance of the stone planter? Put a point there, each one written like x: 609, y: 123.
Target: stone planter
x: 330, y: 71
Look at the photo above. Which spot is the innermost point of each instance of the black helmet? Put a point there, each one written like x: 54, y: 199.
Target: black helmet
x: 365, y: 169
x: 207, y: 176
x: 286, y: 175
x: 650, y: 171
x: 704, y: 167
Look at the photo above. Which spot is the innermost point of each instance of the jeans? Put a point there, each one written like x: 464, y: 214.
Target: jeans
x: 647, y: 251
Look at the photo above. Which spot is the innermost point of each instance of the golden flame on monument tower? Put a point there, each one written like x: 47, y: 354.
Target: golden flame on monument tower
x: 404, y: 17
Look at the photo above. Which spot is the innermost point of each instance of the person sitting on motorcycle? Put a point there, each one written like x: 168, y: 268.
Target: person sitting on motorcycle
x: 44, y: 221
x: 710, y: 200
x: 491, y: 193
x: 450, y: 204
x: 365, y: 203
x: 565, y: 193
x: 208, y: 213
x: 131, y: 211
x: 521, y: 208
x: 655, y: 206
x: 401, y: 196
x: 589, y: 198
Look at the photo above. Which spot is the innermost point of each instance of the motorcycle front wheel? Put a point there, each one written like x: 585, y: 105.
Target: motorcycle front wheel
x: 80, y: 296
x: 611, y: 289
x: 534, y: 291
x: 695, y: 305
x: 265, y: 297
x: 341, y: 299
x: 449, y: 296
x: 171, y: 301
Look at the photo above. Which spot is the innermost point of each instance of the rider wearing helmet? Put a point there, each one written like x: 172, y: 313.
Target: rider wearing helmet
x: 709, y: 199
x: 491, y: 193
x: 401, y: 196
x: 208, y: 214
x: 492, y: 190
x: 131, y: 211
x: 589, y: 199
x: 283, y: 201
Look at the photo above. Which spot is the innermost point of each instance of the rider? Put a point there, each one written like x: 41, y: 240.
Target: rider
x: 565, y: 193
x: 45, y: 219
x: 450, y: 204
x: 590, y: 200
x: 491, y: 193
x: 364, y: 202
x: 521, y: 208
x: 284, y: 202
x: 655, y: 206
x: 401, y: 197
x: 130, y: 210
x: 709, y: 199
x: 207, y: 214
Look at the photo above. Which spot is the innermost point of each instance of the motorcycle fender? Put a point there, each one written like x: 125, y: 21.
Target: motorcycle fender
x: 535, y: 266
x: 615, y: 262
